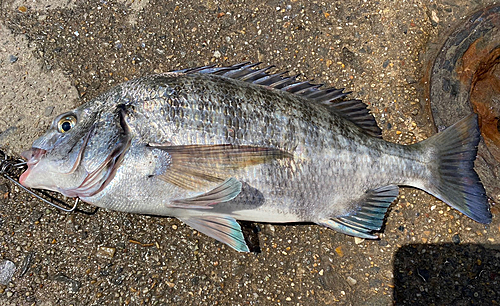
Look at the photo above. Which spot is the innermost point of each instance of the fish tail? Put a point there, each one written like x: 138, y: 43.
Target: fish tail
x: 453, y: 179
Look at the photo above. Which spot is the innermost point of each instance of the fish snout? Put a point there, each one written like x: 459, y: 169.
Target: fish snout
x: 32, y: 157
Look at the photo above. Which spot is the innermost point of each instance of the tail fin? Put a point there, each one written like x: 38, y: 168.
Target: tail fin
x: 454, y: 180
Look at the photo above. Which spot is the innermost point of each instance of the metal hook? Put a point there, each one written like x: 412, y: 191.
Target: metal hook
x: 6, y: 164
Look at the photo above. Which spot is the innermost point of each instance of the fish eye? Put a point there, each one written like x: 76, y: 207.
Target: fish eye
x: 66, y: 123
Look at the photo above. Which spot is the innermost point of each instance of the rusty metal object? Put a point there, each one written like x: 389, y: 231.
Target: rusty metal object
x: 465, y: 77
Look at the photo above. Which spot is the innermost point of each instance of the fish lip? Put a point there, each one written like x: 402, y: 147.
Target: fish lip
x: 32, y: 157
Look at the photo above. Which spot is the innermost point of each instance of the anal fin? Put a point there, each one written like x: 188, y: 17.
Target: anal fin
x: 222, y: 228
x: 368, y: 217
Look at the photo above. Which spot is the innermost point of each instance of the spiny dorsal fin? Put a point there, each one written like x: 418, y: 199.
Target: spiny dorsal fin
x: 357, y: 112
x: 353, y: 110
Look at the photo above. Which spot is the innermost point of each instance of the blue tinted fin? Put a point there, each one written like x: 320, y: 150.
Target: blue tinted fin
x: 454, y: 180
x: 222, y: 228
x: 370, y: 215
x: 226, y: 191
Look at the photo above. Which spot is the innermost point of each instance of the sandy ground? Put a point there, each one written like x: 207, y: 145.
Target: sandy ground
x: 57, y: 54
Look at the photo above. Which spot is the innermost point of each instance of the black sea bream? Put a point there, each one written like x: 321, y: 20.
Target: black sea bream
x: 214, y: 145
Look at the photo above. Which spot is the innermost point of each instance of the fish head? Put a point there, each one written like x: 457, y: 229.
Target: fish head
x: 79, y: 153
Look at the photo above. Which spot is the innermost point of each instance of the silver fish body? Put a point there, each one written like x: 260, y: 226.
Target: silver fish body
x: 211, y: 145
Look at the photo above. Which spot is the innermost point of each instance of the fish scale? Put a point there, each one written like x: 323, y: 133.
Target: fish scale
x: 210, y: 145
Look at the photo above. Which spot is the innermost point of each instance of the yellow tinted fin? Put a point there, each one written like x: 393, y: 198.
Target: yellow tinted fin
x: 194, y: 166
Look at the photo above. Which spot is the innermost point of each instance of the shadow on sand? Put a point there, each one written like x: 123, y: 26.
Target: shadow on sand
x: 447, y: 274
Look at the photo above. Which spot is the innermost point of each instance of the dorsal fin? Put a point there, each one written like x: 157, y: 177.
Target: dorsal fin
x: 357, y: 112
x: 353, y: 110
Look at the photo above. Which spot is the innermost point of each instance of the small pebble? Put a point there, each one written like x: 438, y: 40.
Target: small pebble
x: 7, y: 269
x: 13, y: 58
x: 9, y: 294
x: 271, y: 229
x: 73, y: 285
x: 358, y: 240
x: 455, y: 239
x: 106, y: 252
x: 434, y: 17
x: 339, y: 251
x: 217, y: 54
x: 351, y: 281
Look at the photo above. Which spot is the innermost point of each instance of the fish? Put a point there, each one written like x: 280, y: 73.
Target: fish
x: 212, y: 145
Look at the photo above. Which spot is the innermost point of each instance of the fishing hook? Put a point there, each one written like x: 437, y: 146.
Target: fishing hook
x: 8, y: 163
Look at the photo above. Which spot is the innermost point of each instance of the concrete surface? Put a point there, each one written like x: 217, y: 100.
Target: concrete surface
x: 56, y: 54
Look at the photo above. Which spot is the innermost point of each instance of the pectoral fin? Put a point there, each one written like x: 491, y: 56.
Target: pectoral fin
x: 194, y: 166
x: 222, y: 228
x: 226, y: 191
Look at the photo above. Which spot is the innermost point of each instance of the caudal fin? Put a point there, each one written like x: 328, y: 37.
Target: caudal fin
x: 454, y: 180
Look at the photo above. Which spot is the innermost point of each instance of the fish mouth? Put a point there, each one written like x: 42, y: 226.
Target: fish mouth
x: 32, y: 157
